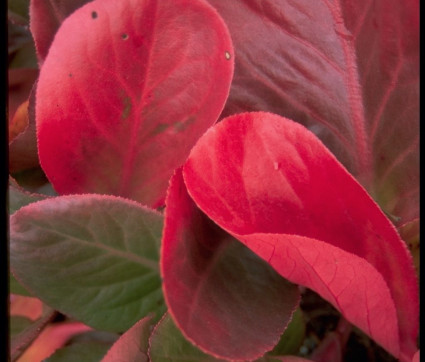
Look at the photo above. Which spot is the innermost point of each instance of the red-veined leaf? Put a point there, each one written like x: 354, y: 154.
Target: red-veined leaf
x: 225, y: 299
x: 126, y: 90
x: 273, y: 185
x: 349, y: 71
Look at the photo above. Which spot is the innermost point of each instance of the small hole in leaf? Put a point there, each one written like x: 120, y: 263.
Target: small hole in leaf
x: 124, y: 36
x: 227, y: 55
x: 94, y: 14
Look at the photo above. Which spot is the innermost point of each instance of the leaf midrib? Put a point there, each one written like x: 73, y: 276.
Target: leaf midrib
x: 115, y: 252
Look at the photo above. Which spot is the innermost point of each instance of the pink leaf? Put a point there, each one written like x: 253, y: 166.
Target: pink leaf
x: 273, y: 185
x: 349, y: 71
x: 416, y: 357
x: 126, y: 90
x: 46, y: 18
x: 225, y: 299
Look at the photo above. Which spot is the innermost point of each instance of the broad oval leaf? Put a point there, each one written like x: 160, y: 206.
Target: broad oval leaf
x: 140, y: 81
x: 273, y: 185
x: 225, y: 299
x: 132, y: 345
x: 92, y: 257
x: 349, y: 71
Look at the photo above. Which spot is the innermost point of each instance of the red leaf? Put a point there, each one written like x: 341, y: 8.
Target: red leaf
x: 126, y: 90
x: 225, y: 299
x: 349, y: 71
x: 273, y: 185
x: 46, y: 18
x: 416, y: 357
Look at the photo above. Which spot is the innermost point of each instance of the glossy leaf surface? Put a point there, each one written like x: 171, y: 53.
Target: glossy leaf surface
x: 140, y: 81
x: 273, y: 185
x: 349, y: 71
x: 91, y: 257
x: 225, y: 299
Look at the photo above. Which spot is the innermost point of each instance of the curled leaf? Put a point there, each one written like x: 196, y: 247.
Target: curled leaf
x: 274, y: 186
x: 225, y: 299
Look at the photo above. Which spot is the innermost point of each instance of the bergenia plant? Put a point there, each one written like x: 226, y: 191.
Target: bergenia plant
x: 220, y: 180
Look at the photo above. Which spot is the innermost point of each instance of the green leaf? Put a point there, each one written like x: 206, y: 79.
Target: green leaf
x: 132, y: 345
x: 167, y: 344
x: 94, y: 336
x: 21, y: 48
x: 34, y: 180
x: 91, y: 351
x: 16, y: 288
x: 18, y: 324
x: 409, y: 232
x: 293, y: 337
x: 19, y: 7
x: 18, y: 197
x: 92, y: 257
